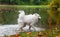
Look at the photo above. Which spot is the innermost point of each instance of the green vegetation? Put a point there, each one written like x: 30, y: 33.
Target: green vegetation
x: 9, y: 14
x: 46, y: 33
x: 25, y: 2
x: 50, y: 14
x: 54, y: 11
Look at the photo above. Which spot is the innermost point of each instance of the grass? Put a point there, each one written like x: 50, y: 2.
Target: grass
x: 25, y: 34
x: 46, y: 33
x: 23, y: 6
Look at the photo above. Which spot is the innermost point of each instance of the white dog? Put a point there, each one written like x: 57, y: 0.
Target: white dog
x: 30, y: 19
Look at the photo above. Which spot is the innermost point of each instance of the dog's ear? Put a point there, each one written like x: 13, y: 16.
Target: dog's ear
x: 35, y: 14
x: 21, y: 11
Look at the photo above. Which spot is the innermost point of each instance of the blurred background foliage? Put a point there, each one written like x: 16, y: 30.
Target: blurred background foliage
x: 25, y: 2
x: 54, y: 11
x: 10, y: 15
